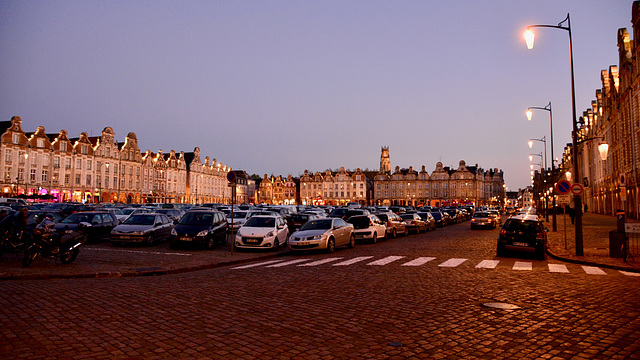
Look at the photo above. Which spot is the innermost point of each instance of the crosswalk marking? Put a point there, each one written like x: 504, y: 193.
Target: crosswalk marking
x: 353, y: 261
x: 320, y: 262
x: 385, y: 261
x: 629, y: 273
x: 522, y: 265
x: 288, y: 263
x: 592, y: 270
x: 558, y: 268
x: 257, y: 264
x: 419, y: 261
x: 452, y: 262
x: 488, y: 264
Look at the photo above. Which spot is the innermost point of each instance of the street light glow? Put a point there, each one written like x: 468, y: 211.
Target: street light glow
x: 529, y: 114
x: 530, y: 144
x: 603, y: 149
x: 528, y: 37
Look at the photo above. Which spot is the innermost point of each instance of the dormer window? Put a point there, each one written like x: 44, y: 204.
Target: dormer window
x: 40, y: 143
x: 16, y: 138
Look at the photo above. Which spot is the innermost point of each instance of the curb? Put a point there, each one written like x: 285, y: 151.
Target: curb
x: 155, y: 272
x: 589, y: 263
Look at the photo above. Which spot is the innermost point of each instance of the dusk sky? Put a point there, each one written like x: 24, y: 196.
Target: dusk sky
x: 277, y: 87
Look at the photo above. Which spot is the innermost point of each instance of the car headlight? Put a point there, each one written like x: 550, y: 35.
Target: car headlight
x: 174, y: 232
x: 203, y: 233
x: 270, y: 233
x: 315, y: 237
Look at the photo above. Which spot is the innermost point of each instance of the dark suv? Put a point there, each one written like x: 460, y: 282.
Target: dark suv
x: 523, y: 233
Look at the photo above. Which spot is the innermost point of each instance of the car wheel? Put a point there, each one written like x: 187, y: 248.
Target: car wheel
x: 374, y: 239
x: 500, y: 250
x: 385, y: 236
x: 276, y: 244
x: 211, y: 243
x: 406, y: 232
x: 151, y: 240
x: 30, y: 254
x: 352, y: 242
x: 331, y: 245
x: 394, y: 234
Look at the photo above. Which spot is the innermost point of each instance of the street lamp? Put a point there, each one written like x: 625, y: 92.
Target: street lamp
x: 553, y: 172
x: 529, y: 37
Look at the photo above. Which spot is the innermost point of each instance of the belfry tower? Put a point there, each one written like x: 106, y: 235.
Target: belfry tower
x: 385, y: 161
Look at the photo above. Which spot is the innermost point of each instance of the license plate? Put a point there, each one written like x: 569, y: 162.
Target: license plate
x: 185, y: 238
x: 302, y: 243
x: 252, y: 241
x: 520, y: 244
x: 124, y: 237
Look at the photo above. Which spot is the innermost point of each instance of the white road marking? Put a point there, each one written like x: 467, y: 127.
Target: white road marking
x: 258, y: 264
x: 629, y: 273
x: 522, y: 265
x: 290, y: 262
x: 353, y: 261
x: 488, y: 264
x: 452, y: 262
x: 385, y: 261
x: 592, y: 270
x: 320, y: 262
x: 138, y: 251
x: 419, y: 261
x: 557, y: 268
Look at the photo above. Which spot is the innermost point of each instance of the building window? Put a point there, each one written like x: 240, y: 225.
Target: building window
x: 83, y: 149
x: 7, y: 156
x: 67, y: 178
x: 16, y: 138
x: 32, y: 175
x: 21, y: 158
x: 7, y: 174
x: 63, y: 146
x: 78, y: 164
x: 45, y: 176
x: 78, y: 179
x: 88, y: 164
x: 56, y: 162
x: 20, y: 174
x: 40, y: 143
x: 88, y: 180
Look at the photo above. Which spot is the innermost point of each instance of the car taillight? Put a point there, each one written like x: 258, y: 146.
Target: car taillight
x: 490, y: 220
x: 503, y: 232
x: 389, y: 224
x: 540, y: 236
x: 473, y: 220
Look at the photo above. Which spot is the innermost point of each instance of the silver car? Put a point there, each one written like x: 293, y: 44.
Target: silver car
x: 323, y: 234
x: 142, y: 228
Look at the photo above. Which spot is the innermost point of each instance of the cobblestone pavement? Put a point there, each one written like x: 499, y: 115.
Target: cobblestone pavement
x: 421, y: 296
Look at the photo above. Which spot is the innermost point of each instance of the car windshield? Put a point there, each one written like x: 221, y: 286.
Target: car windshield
x: 125, y: 211
x: 323, y: 224
x: 196, y: 218
x: 436, y: 215
x: 520, y: 225
x: 259, y: 221
x: 407, y: 216
x: 359, y: 221
x: 383, y: 217
x: 78, y: 218
x: 481, y: 215
x: 140, y: 219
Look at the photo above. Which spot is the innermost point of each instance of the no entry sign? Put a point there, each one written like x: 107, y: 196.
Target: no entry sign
x: 563, y: 187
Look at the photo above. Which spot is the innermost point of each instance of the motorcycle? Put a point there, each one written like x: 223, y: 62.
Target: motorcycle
x: 12, y: 240
x: 49, y: 243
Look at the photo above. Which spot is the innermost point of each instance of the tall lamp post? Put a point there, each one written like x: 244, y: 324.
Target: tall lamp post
x: 553, y: 172
x: 529, y: 37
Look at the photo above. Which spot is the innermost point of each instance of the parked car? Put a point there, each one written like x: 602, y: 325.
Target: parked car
x: 496, y: 215
x: 346, y: 213
x: 206, y: 228
x: 482, y: 219
x: 324, y: 233
x: 394, y: 223
x: 142, y: 228
x: 172, y: 213
x: 296, y: 221
x: 239, y: 218
x: 126, y: 212
x: 368, y: 227
x: 66, y: 209
x: 456, y: 217
x: 429, y: 219
x: 414, y: 222
x: 101, y: 224
x: 439, y: 218
x: 523, y: 233
x: 262, y: 231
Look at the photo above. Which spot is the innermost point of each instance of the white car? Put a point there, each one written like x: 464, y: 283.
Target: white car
x: 325, y: 233
x: 239, y: 218
x: 262, y: 232
x: 368, y: 227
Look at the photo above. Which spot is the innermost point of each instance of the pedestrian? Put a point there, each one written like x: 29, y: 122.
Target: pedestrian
x: 585, y: 207
x: 572, y: 214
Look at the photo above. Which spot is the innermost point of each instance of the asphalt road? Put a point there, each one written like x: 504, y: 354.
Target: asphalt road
x: 421, y: 296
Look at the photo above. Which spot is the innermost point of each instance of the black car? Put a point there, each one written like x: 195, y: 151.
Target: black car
x: 295, y: 221
x: 66, y: 209
x: 524, y: 233
x: 206, y: 228
x: 439, y: 218
x: 102, y: 223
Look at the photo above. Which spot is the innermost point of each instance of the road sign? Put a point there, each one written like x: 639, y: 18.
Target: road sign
x: 576, y: 189
x: 563, y: 187
x: 231, y: 176
x: 564, y: 200
x: 633, y: 228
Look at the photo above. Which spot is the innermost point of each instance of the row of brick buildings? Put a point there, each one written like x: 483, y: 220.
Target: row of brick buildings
x: 55, y: 167
x: 612, y: 118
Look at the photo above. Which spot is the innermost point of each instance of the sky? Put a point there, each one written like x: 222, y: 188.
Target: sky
x: 277, y: 87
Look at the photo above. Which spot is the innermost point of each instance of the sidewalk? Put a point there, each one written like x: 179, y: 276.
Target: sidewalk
x: 595, y: 234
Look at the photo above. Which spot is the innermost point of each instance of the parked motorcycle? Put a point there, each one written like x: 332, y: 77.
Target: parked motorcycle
x: 12, y: 240
x: 49, y: 243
